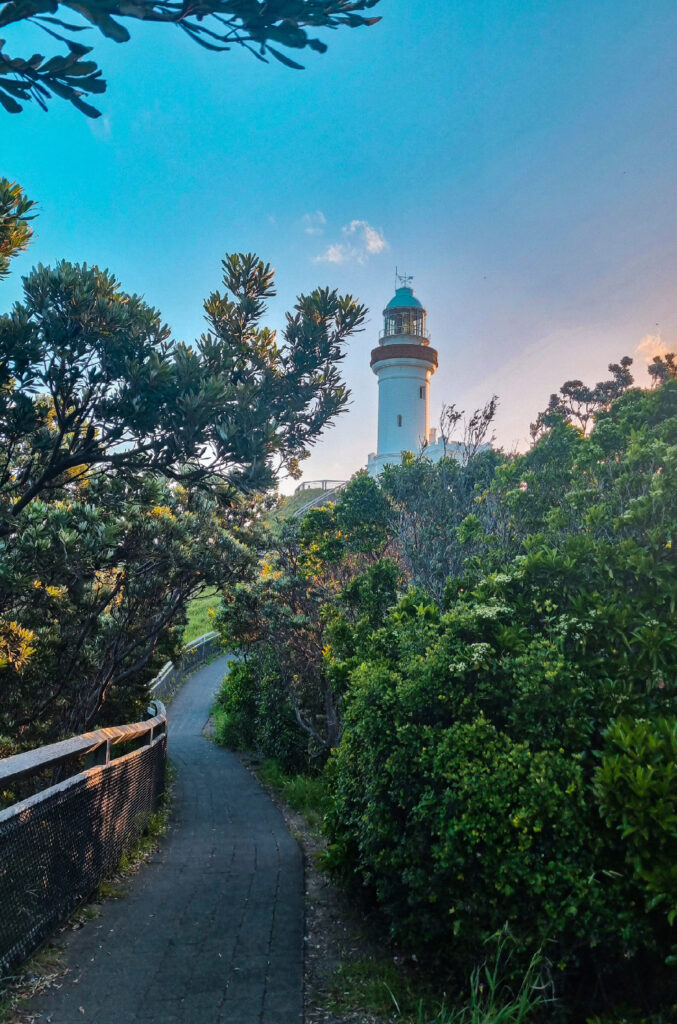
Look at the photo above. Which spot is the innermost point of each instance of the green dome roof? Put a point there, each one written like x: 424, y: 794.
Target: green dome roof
x: 404, y: 298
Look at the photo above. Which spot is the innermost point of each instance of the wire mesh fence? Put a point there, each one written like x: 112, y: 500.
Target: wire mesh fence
x: 97, y: 793
x: 57, y: 845
x: 197, y: 652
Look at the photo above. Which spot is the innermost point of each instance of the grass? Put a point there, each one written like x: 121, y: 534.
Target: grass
x: 303, y: 793
x: 200, y: 620
x: 37, y: 974
x: 384, y: 988
x: 292, y: 503
x: 376, y: 986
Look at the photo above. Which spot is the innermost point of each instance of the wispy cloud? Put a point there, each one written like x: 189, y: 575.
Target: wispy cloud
x: 101, y: 128
x: 360, y: 240
x: 313, y: 223
x: 651, y: 345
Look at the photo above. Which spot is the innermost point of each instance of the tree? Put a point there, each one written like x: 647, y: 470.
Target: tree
x: 663, y: 368
x: 578, y: 403
x: 131, y: 468
x: 96, y: 578
x: 323, y: 575
x: 429, y: 503
x: 90, y: 377
x: 214, y: 24
x: 15, y: 229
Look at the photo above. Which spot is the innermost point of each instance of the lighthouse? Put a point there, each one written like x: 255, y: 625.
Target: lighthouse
x: 403, y: 362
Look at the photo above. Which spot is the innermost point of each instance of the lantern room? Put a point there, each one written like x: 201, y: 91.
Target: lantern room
x: 404, y: 315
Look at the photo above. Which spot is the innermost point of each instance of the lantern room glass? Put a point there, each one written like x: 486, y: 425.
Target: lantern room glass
x: 406, y: 321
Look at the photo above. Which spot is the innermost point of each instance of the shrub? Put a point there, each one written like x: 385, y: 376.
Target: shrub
x: 483, y: 738
x: 252, y: 712
x: 456, y: 829
x: 636, y: 786
x: 235, y: 710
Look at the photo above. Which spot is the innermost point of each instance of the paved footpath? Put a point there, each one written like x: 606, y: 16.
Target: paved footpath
x: 211, y: 931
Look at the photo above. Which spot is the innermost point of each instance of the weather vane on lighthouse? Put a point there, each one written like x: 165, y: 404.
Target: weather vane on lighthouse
x: 404, y: 280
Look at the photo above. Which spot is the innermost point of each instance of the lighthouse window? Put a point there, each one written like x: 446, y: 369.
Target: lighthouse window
x: 421, y: 392
x: 399, y: 421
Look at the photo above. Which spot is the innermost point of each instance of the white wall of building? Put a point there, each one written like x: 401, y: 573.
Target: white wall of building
x: 403, y: 405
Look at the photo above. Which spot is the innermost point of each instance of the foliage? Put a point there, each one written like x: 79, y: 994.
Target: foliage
x: 97, y: 576
x: 90, y: 377
x: 663, y: 368
x: 15, y: 229
x: 578, y: 403
x: 321, y: 574
x: 636, y: 788
x: 306, y: 794
x: 468, y: 785
x: 437, y: 515
x: 216, y: 25
x: 253, y: 712
x: 129, y: 472
x: 200, y: 613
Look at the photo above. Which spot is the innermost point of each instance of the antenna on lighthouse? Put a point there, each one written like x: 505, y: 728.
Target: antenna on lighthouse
x: 404, y: 279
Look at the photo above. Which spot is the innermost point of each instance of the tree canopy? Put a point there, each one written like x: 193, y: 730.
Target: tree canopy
x: 15, y: 229
x: 218, y: 25
x: 132, y: 468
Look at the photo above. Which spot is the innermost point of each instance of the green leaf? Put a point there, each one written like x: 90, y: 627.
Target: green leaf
x: 284, y: 60
x: 8, y: 103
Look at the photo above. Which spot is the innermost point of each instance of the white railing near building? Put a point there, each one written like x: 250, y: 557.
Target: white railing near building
x: 319, y: 485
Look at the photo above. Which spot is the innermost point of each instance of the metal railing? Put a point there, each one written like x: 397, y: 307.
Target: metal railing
x: 319, y: 485
x: 170, y: 677
x: 321, y: 499
x: 97, y: 794
x: 406, y: 330
x: 58, y: 844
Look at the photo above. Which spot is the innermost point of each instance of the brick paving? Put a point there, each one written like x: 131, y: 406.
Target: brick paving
x: 211, y: 930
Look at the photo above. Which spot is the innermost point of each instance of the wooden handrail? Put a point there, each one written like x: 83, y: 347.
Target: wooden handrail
x: 20, y: 766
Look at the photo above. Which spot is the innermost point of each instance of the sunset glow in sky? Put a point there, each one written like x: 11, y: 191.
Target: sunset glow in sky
x: 518, y: 158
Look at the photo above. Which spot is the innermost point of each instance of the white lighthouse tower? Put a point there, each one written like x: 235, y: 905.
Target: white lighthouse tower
x: 404, y: 362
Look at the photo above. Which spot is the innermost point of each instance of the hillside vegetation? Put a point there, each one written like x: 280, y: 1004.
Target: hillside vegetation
x: 291, y: 503
x: 481, y: 659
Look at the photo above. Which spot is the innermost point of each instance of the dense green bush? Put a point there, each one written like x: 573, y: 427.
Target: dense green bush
x: 636, y: 787
x: 488, y: 771
x: 322, y: 581
x: 253, y: 713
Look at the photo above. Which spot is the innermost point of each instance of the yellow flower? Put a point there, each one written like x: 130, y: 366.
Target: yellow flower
x: 161, y: 512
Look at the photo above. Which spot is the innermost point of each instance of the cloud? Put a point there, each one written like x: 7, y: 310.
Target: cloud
x: 651, y: 345
x: 373, y: 239
x: 361, y: 240
x: 102, y: 127
x: 313, y: 223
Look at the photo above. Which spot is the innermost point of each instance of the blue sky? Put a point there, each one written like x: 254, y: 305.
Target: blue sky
x: 518, y: 158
